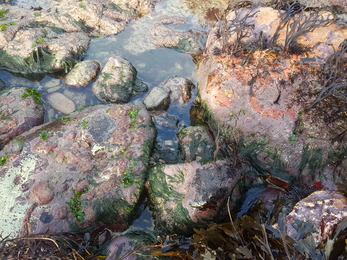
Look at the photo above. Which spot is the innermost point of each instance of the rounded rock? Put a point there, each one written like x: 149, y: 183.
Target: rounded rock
x: 82, y: 73
x: 61, y: 103
x: 42, y: 194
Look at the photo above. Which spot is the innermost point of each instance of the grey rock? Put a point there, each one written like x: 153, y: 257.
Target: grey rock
x: 157, y: 99
x: 82, y: 73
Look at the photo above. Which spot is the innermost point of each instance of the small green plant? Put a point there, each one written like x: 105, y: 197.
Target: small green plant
x: 34, y: 94
x: 3, y: 15
x: 82, y: 6
x: 43, y: 134
x: 65, y: 119
x: 20, y: 141
x: 133, y: 114
x: 37, y: 14
x: 3, y: 27
x: 128, y: 179
x: 75, y: 204
x: 3, y: 160
x: 39, y: 40
x: 84, y: 123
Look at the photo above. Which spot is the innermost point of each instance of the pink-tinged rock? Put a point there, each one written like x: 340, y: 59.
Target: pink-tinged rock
x: 42, y: 193
x: 324, y: 209
x: 61, y: 103
x: 96, y: 161
x: 189, y: 195
x: 18, y: 114
x: 265, y: 94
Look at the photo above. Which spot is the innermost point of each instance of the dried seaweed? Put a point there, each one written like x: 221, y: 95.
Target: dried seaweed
x: 332, y: 86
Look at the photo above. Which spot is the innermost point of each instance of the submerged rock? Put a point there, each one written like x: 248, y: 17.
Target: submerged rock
x: 189, y: 195
x: 192, y: 41
x: 116, y: 82
x: 61, y: 103
x: 20, y: 110
x: 157, y: 99
x: 83, y: 170
x: 82, y: 73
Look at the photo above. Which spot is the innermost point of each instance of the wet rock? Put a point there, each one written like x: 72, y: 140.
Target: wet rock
x: 102, y: 17
x: 84, y: 170
x: 191, y: 41
x: 157, y: 99
x: 324, y: 209
x: 82, y: 73
x: 116, y: 81
x: 18, y: 113
x: 179, y: 88
x: 61, y: 103
x: 261, y: 97
x: 196, y: 143
x: 42, y: 48
x: 189, y: 195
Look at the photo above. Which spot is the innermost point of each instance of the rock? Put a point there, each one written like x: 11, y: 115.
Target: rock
x: 116, y: 81
x: 20, y: 110
x: 324, y: 209
x: 101, y: 17
x: 61, y: 103
x: 2, y: 85
x: 157, y: 99
x: 82, y: 73
x: 191, y: 42
x: 179, y: 88
x: 196, y: 143
x: 266, y: 95
x: 189, y: 195
x: 83, y: 170
x: 43, y: 48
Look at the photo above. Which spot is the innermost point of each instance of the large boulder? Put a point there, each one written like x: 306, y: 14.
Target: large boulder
x: 84, y: 170
x: 38, y: 42
x: 117, y: 81
x: 20, y: 110
x: 259, y: 79
x: 189, y: 195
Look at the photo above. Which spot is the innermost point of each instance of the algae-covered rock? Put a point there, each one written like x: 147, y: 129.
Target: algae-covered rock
x: 157, y: 99
x: 189, y: 195
x: 20, y: 110
x: 196, y: 143
x: 116, y: 81
x: 82, y: 170
x: 82, y: 73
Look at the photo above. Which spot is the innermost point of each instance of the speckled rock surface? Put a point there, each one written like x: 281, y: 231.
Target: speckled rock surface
x: 189, y: 195
x: 324, y: 209
x: 116, y: 82
x: 264, y: 93
x: 179, y: 88
x: 18, y: 114
x: 83, y: 170
x: 82, y: 73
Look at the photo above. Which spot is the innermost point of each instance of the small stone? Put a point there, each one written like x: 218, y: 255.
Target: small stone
x: 157, y: 99
x: 42, y: 194
x: 61, y: 103
x: 82, y: 73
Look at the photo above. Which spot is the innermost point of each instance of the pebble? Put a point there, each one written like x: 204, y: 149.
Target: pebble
x: 61, y: 103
